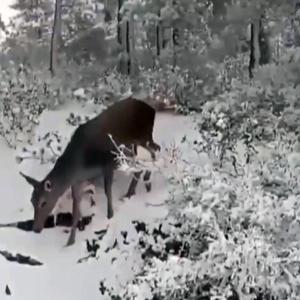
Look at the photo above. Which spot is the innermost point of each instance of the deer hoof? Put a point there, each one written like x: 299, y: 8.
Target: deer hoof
x: 110, y: 214
x: 70, y: 242
x: 126, y: 196
x: 148, y: 187
x: 122, y: 198
x: 81, y: 225
x: 130, y: 193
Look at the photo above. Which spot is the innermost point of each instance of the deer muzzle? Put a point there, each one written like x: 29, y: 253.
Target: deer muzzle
x: 38, y: 223
x: 37, y: 230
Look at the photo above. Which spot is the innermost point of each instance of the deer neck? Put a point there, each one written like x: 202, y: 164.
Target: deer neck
x: 64, y: 174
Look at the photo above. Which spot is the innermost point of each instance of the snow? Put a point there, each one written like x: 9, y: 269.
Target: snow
x: 6, y: 11
x: 61, y: 277
x: 79, y: 93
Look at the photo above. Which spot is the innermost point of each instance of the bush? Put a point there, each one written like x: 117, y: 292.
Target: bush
x: 25, y: 94
x: 236, y: 222
x: 237, y: 236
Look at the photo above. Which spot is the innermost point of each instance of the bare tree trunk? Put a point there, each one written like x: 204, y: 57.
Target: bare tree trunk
x: 257, y: 53
x: 219, y: 7
x: 296, y: 23
x: 259, y: 46
x: 158, y: 37
x: 128, y: 47
x: 254, y: 47
x: 55, y: 38
x: 252, y: 57
x: 264, y: 46
x: 175, y: 38
x: 121, y: 40
x: 119, y: 28
x: 163, y: 37
x: 134, y: 60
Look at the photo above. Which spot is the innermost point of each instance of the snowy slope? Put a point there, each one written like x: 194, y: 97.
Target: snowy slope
x: 61, y: 277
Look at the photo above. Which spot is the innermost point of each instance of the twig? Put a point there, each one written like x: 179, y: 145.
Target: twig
x: 9, y: 225
x: 155, y: 204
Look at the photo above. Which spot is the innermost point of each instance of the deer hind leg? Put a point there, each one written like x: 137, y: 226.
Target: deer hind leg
x: 147, y: 181
x: 90, y: 190
x: 133, y: 184
x: 108, y: 180
x: 77, y: 190
x: 152, y: 147
x: 136, y: 177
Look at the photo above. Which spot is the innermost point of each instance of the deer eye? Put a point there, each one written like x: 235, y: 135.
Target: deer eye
x: 42, y: 204
x: 48, y: 186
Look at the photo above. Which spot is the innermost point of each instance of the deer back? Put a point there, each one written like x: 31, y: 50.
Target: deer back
x: 129, y: 121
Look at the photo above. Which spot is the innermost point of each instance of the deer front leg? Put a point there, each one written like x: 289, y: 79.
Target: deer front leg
x: 76, y: 195
x: 108, y: 180
x: 147, y: 181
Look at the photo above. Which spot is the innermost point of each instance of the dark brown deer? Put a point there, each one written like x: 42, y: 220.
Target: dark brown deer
x: 91, y: 153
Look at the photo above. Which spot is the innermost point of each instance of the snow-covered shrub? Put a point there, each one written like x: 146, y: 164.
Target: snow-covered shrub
x: 253, y: 111
x: 20, y: 105
x: 76, y: 120
x: 25, y: 94
x: 233, y: 68
x: 158, y: 80
x: 46, y: 149
x: 113, y: 85
x: 189, y: 90
x: 238, y: 236
x: 282, y: 74
x: 248, y: 114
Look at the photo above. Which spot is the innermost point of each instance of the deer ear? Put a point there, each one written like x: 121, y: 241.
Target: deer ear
x: 30, y: 180
x: 48, y: 186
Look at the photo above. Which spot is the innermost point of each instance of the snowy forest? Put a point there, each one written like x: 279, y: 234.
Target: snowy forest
x: 221, y: 220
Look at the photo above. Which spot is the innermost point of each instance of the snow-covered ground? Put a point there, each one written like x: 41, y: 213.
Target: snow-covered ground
x: 60, y: 276
x: 6, y: 11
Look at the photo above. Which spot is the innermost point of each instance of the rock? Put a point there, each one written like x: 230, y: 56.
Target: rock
x: 21, y: 259
x: 7, y: 290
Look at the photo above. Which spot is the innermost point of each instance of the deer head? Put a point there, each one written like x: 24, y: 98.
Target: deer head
x: 43, y: 198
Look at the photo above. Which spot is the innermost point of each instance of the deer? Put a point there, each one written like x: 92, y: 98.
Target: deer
x: 91, y: 153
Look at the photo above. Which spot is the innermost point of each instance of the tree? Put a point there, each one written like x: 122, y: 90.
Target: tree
x: 28, y: 38
x: 56, y: 37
